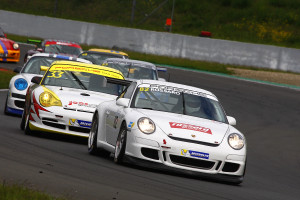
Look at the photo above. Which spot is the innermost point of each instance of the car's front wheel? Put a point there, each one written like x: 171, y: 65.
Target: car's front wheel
x: 120, y: 145
x: 26, y: 123
x: 92, y: 141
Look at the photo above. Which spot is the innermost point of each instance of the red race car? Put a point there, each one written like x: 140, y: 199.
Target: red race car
x: 54, y: 46
x: 9, y: 50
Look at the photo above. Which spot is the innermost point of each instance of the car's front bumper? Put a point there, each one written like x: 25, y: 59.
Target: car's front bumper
x: 15, y: 102
x: 165, y: 151
x: 60, y: 120
x: 10, y: 56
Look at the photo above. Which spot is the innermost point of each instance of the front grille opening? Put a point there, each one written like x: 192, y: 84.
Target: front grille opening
x: 164, y: 155
x: 79, y: 129
x: 230, y: 167
x: 150, y: 153
x: 55, y: 125
x: 191, y: 162
x: 218, y: 165
x: 20, y: 96
x: 20, y: 104
x: 49, y: 119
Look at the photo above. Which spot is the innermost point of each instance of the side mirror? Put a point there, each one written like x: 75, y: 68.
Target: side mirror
x: 123, y: 102
x: 231, y: 120
x: 44, y: 68
x: 36, y: 79
x: 17, y: 69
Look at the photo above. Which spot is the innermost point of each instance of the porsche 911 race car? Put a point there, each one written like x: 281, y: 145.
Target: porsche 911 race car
x: 135, y: 69
x: 18, y: 85
x: 171, y: 126
x: 64, y: 100
x: 97, y: 56
x: 9, y: 50
x: 54, y: 46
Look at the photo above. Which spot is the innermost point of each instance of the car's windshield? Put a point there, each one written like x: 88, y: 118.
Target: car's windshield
x: 33, y: 66
x: 177, y: 100
x: 81, y: 80
x: 63, y: 49
x: 133, y: 70
x: 98, y: 58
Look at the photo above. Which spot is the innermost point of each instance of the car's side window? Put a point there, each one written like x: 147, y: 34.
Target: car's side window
x: 129, y: 91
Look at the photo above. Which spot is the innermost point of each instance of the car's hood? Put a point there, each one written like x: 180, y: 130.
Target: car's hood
x: 83, y: 100
x: 8, y: 43
x: 187, y: 127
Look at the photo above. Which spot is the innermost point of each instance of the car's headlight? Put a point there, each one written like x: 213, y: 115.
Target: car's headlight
x: 47, y: 100
x: 236, y: 141
x: 21, y: 84
x: 16, y: 46
x: 146, y: 125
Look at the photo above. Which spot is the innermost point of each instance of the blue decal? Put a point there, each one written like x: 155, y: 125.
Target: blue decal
x: 199, y: 154
x: 4, y: 49
x: 130, y: 125
x: 85, y: 124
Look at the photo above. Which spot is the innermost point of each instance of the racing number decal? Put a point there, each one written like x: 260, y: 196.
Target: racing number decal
x: 56, y: 74
x: 144, y: 89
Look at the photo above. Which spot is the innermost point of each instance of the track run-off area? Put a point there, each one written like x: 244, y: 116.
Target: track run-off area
x: 60, y: 165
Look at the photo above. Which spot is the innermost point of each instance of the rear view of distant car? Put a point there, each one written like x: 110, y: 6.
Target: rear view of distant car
x: 54, y: 46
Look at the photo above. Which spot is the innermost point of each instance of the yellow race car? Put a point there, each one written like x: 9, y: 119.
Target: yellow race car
x: 97, y: 56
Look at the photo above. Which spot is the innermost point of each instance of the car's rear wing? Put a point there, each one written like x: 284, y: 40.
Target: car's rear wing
x: 35, y: 42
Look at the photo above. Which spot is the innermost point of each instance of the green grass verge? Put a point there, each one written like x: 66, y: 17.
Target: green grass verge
x: 5, y: 76
x: 274, y: 22
x: 17, y: 192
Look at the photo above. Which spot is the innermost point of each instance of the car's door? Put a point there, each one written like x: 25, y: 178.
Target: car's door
x: 114, y: 116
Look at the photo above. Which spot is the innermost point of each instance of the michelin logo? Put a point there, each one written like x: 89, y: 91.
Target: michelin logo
x: 81, y: 123
x: 196, y: 154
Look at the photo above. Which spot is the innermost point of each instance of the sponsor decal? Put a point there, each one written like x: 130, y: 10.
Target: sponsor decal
x: 82, y: 104
x: 196, y: 154
x: 171, y: 90
x: 131, y: 124
x: 80, y: 123
x: 190, y: 127
x: 98, y: 71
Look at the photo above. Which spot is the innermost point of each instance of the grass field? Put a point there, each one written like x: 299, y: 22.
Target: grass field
x: 274, y: 22
x: 5, y: 76
x: 18, y: 192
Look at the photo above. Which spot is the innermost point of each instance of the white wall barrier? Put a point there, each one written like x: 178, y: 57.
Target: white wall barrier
x: 160, y: 43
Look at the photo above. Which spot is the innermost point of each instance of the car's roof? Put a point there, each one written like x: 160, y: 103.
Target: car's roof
x: 108, y: 51
x: 138, y: 62
x: 64, y: 57
x: 86, y: 67
x: 177, y: 85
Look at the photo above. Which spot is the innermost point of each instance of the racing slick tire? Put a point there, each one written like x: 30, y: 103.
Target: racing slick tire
x: 120, y: 145
x: 92, y: 141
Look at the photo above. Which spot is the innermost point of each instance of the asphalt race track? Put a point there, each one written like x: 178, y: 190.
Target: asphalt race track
x: 60, y: 165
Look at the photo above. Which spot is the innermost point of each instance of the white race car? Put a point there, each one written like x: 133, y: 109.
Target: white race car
x: 172, y: 126
x: 19, y: 83
x: 135, y: 69
x: 64, y: 100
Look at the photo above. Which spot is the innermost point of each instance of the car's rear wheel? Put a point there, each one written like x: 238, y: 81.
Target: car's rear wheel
x: 120, y: 145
